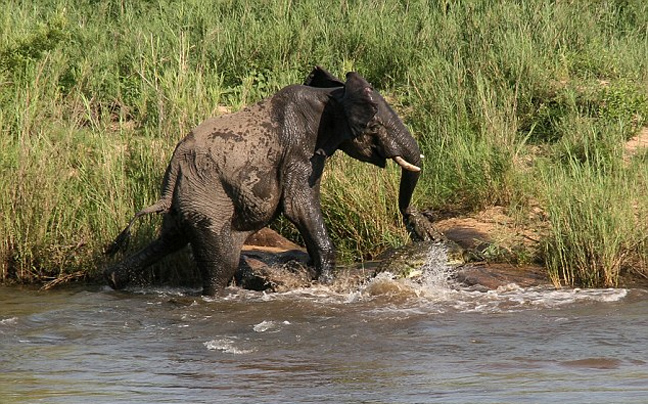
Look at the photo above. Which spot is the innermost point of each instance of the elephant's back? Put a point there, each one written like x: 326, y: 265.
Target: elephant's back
x: 234, y: 159
x: 235, y: 127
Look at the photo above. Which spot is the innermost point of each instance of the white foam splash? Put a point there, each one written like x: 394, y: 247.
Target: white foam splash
x: 433, y: 283
x: 269, y: 326
x: 542, y: 296
x: 9, y: 321
x: 226, y: 345
x: 161, y: 291
x: 436, y: 271
x: 435, y: 290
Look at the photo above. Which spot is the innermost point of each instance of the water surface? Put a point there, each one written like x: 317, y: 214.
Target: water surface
x: 386, y: 342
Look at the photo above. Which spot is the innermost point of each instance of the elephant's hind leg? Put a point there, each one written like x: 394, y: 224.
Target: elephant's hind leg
x: 217, y: 257
x: 120, y: 274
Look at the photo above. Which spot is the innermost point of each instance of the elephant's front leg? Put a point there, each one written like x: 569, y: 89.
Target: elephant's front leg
x: 302, y: 208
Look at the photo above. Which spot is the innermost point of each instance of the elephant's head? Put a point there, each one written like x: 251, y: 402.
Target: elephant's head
x: 373, y: 131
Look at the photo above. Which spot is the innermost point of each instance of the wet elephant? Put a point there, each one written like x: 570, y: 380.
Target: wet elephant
x: 234, y: 174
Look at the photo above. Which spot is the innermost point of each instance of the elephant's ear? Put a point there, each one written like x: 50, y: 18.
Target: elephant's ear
x: 358, y: 103
x: 322, y: 79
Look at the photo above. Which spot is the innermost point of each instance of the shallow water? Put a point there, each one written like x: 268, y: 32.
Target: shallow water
x: 386, y: 342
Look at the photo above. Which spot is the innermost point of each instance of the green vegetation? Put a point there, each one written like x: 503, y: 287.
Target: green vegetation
x: 514, y: 104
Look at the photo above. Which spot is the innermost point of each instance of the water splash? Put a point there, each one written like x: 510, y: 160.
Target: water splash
x: 432, y: 288
x: 436, y: 289
x: 269, y: 326
x: 226, y: 345
x: 432, y: 281
x: 8, y: 321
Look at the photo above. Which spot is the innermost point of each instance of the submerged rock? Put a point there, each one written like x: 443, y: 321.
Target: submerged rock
x: 271, y: 262
x: 268, y: 268
x: 490, y: 276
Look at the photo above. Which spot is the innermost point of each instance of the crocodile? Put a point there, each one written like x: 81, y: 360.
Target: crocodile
x: 428, y: 249
x: 410, y: 261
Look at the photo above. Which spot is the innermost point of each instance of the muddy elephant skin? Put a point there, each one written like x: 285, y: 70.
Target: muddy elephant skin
x: 234, y: 174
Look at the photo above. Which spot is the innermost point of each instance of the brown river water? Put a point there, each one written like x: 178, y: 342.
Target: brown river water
x: 385, y: 342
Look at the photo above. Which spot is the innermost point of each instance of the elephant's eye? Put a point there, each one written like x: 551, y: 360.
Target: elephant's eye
x: 374, y: 125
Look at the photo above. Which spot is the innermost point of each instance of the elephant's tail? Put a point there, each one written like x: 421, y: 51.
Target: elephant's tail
x: 161, y: 206
x: 121, y: 242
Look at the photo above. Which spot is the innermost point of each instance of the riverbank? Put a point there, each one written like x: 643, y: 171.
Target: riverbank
x: 503, y: 252
x: 526, y: 107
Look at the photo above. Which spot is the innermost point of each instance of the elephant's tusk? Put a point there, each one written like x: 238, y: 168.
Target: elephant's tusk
x: 407, y: 166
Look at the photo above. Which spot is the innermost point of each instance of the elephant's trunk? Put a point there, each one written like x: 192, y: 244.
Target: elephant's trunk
x: 410, y: 161
x: 408, y: 182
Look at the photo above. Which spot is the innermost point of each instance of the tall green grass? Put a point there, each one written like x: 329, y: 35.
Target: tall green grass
x: 512, y: 103
x: 598, y: 222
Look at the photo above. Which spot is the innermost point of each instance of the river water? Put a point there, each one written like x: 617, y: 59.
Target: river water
x: 385, y: 342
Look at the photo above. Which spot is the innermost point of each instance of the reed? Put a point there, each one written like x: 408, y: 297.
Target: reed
x: 598, y: 224
x: 507, y: 100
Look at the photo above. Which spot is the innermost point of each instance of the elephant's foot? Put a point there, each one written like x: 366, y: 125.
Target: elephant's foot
x: 116, y: 279
x: 214, y: 286
x: 326, y: 277
x: 209, y: 290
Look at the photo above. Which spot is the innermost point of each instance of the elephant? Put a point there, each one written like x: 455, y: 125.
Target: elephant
x: 234, y: 174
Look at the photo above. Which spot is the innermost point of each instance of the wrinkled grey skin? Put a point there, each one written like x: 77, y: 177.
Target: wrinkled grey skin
x: 234, y: 174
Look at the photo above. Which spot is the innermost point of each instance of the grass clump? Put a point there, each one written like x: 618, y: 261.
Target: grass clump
x: 512, y: 102
x: 597, y: 224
